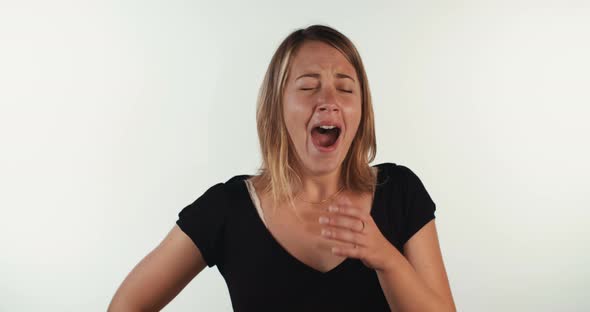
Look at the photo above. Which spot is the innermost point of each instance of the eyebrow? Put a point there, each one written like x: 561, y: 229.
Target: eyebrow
x: 315, y: 75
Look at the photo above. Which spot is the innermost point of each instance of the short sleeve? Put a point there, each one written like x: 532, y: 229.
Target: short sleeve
x: 419, y: 208
x: 203, y: 221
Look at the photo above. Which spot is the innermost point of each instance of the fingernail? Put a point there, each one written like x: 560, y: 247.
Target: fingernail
x: 323, y: 220
x: 332, y: 208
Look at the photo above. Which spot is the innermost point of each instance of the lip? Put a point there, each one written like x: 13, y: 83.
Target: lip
x: 331, y: 148
x: 326, y: 122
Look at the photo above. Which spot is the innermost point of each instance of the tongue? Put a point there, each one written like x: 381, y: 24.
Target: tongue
x: 326, y: 139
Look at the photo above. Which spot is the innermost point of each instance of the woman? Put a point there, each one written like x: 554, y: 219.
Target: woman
x: 318, y: 228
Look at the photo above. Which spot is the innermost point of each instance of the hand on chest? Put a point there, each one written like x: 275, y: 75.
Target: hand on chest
x: 299, y: 232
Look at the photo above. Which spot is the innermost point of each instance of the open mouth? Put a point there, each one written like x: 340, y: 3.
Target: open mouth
x: 325, y: 137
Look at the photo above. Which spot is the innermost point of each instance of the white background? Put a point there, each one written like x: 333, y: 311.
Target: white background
x: 114, y: 115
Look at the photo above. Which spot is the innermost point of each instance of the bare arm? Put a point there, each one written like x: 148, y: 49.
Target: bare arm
x: 418, y: 281
x: 159, y: 276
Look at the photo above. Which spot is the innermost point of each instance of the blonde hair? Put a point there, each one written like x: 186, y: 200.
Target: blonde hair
x: 280, y: 167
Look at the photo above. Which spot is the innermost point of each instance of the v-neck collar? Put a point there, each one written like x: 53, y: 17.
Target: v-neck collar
x: 283, y: 250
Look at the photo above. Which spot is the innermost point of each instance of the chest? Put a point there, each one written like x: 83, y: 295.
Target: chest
x: 286, y: 260
x: 298, y: 232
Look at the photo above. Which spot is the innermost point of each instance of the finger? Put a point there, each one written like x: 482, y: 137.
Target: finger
x: 343, y: 201
x: 342, y: 221
x: 349, y: 211
x: 348, y: 252
x: 343, y: 236
x: 326, y: 244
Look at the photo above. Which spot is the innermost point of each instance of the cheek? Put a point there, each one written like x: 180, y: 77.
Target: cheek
x: 353, y: 118
x: 295, y: 107
x: 296, y: 115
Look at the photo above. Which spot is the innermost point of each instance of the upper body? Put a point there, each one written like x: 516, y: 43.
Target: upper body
x: 273, y: 262
x: 378, y: 249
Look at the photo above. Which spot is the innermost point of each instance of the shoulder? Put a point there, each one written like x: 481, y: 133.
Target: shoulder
x: 216, y: 195
x: 235, y: 185
x: 402, y: 182
x: 222, y: 189
x: 397, y: 173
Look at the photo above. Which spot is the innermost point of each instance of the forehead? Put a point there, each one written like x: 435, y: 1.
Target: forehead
x: 315, y: 56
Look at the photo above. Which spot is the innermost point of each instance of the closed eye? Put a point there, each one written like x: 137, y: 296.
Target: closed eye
x: 347, y: 91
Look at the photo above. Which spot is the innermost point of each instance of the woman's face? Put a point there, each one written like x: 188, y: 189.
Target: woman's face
x: 322, y: 90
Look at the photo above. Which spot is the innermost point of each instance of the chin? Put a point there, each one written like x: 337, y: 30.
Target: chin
x: 323, y: 166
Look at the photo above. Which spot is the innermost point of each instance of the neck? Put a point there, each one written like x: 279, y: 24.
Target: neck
x: 318, y: 187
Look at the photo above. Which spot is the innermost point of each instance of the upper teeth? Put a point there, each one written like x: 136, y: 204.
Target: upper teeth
x: 327, y: 127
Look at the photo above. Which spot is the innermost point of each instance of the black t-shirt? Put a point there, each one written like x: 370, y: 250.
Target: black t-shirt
x: 262, y: 276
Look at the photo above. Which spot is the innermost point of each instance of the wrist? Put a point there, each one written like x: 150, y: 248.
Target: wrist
x: 389, y: 259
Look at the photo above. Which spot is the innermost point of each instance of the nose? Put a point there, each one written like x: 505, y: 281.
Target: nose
x: 327, y: 102
x: 327, y: 107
